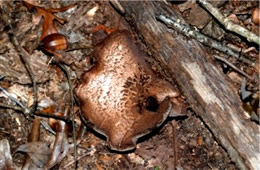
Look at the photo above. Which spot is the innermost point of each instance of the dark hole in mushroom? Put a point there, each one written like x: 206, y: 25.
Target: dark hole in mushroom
x: 92, y: 61
x: 152, y: 104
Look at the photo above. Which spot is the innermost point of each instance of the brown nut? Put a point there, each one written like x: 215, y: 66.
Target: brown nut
x: 54, y: 42
x: 256, y: 16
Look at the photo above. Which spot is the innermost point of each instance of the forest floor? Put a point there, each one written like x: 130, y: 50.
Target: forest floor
x: 196, y: 146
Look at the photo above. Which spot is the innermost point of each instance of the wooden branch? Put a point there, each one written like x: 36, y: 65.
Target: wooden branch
x: 228, y: 24
x: 190, y: 32
x: 207, y: 89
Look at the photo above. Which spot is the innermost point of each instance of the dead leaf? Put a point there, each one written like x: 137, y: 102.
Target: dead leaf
x: 199, y: 140
x: 244, y: 93
x: 6, y: 161
x: 39, y: 152
x: 48, y: 26
x: 233, y: 18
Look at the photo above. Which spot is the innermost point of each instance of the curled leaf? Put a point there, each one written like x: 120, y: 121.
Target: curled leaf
x: 244, y: 93
x: 39, y: 152
x: 6, y: 161
x: 48, y: 26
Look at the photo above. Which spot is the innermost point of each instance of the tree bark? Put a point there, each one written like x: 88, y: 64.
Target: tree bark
x: 209, y: 92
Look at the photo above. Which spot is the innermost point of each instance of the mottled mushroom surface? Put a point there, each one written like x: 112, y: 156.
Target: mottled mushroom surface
x: 121, y: 97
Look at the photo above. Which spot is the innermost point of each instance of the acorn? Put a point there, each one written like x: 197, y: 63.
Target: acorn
x: 256, y: 16
x: 53, y: 43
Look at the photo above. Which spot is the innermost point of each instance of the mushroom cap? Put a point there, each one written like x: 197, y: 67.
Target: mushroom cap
x: 121, y: 97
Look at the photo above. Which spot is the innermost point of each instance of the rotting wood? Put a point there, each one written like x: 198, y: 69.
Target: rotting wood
x: 208, y: 91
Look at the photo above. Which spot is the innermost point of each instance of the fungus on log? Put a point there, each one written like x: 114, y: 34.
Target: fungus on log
x: 208, y: 91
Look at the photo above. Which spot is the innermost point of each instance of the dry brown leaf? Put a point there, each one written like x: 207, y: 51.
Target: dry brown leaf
x: 39, y: 152
x: 6, y: 161
x: 48, y: 26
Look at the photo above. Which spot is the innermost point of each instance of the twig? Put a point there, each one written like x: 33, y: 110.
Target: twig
x: 18, y: 108
x: 228, y: 24
x: 78, y: 46
x: 13, y: 107
x: 24, y: 56
x: 79, y: 158
x: 232, y: 66
x: 72, y: 117
x: 14, y: 99
x: 118, y: 6
x: 174, y: 124
x: 192, y: 33
x: 81, y: 133
x: 52, y: 116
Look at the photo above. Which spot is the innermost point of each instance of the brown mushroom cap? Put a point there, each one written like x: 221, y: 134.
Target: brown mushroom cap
x: 121, y: 97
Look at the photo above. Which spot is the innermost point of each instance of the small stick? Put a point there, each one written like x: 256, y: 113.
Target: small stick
x: 228, y: 24
x: 24, y: 56
x: 52, y: 116
x: 13, y: 107
x: 78, y: 46
x: 17, y: 108
x: 118, y: 6
x: 81, y: 133
x: 73, y: 161
x: 188, y: 31
x: 72, y: 117
x: 14, y: 99
x: 174, y: 124
x: 232, y: 66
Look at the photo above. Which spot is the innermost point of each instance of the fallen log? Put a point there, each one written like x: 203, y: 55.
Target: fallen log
x: 208, y: 91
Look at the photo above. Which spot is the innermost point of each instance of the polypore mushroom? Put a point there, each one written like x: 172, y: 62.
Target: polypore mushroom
x: 121, y: 97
